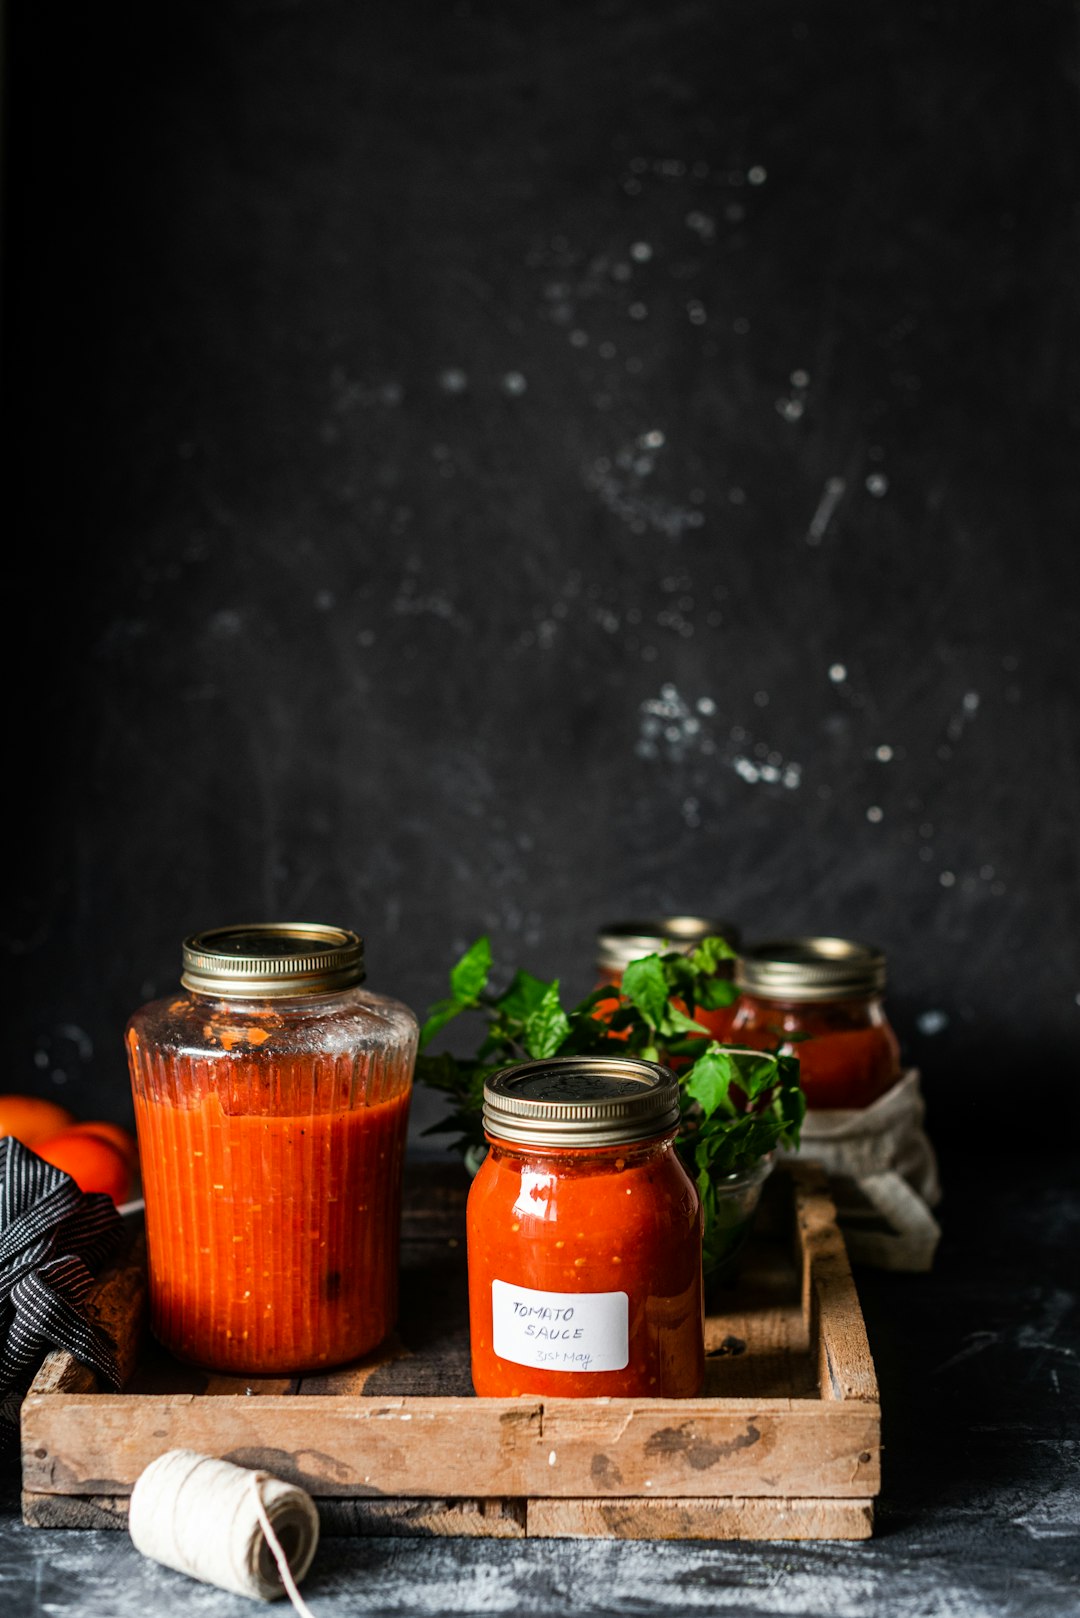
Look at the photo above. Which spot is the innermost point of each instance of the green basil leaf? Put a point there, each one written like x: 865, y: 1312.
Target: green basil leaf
x: 521, y: 998
x: 726, y: 1145
x: 691, y: 1044
x: 645, y: 986
x: 442, y: 1012
x: 675, y: 1021
x: 791, y: 1104
x: 710, y: 1079
x: 713, y: 993
x: 680, y: 977
x: 547, y: 1026
x: 710, y: 952
x: 469, y: 977
x: 755, y: 1072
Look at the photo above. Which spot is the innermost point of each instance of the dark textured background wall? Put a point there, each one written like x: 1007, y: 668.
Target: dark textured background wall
x: 500, y: 468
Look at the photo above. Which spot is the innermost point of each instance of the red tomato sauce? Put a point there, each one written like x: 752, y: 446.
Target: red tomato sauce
x: 717, y: 1022
x: 272, y: 1239
x: 848, y: 1053
x: 609, y: 1221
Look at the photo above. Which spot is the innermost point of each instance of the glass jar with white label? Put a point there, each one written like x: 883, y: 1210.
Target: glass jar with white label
x: 584, y: 1234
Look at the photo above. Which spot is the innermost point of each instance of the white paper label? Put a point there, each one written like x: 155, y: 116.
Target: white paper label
x: 560, y: 1331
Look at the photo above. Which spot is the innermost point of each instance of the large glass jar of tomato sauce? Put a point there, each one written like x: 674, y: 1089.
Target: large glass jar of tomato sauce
x: 620, y: 942
x: 584, y: 1235
x: 271, y: 1099
x: 821, y: 999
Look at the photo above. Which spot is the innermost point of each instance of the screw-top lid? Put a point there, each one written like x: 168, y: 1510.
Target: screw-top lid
x: 581, y: 1101
x: 812, y: 969
x: 620, y: 942
x: 270, y: 960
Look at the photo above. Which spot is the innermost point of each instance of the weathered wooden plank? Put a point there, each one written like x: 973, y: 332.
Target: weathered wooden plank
x: 429, y: 1352
x: 116, y: 1303
x: 395, y: 1371
x: 837, y: 1332
x: 756, y: 1339
x: 408, y: 1519
x: 433, y: 1204
x: 376, y: 1518
x: 74, y: 1510
x: 351, y: 1381
x: 98, y: 1444
x: 158, y: 1375
x: 61, y: 1372
x: 759, y: 1518
x: 747, y: 1518
x: 249, y: 1386
x: 718, y: 1447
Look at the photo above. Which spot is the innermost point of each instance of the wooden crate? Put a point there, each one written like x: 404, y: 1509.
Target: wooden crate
x: 783, y: 1443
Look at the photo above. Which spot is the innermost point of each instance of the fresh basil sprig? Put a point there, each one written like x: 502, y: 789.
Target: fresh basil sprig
x: 738, y: 1105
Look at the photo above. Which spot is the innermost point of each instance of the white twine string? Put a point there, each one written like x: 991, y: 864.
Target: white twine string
x: 279, y: 1555
x: 211, y: 1520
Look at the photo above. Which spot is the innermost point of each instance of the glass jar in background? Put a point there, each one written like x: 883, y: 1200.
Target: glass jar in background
x: 820, y: 998
x: 584, y: 1235
x: 621, y: 942
x: 271, y: 1100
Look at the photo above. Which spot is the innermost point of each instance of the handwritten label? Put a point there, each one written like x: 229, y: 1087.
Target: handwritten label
x: 560, y: 1331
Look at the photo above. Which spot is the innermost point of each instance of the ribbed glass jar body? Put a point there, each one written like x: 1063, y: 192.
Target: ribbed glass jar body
x: 619, y: 1224
x: 272, y: 1139
x: 848, y: 1053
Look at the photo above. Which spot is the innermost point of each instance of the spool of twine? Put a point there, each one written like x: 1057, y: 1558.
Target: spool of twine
x: 241, y: 1530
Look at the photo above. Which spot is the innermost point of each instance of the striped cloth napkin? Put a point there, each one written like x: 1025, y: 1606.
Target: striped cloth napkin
x: 53, y: 1240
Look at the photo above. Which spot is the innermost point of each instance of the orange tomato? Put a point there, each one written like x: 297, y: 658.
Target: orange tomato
x: 94, y: 1164
x: 31, y: 1119
x: 121, y: 1138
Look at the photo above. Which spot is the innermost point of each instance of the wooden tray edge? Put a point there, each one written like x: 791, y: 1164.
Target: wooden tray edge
x: 831, y: 1307
x: 734, y: 1518
x: 848, y: 1390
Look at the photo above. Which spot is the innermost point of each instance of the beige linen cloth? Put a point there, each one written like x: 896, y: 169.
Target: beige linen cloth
x: 884, y: 1174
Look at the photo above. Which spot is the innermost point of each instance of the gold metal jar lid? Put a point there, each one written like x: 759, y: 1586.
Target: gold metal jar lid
x: 620, y: 942
x: 581, y: 1101
x: 812, y: 969
x: 269, y: 960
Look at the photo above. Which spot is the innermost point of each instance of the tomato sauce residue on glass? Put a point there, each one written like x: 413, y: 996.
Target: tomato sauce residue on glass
x: 848, y: 1053
x: 602, y: 1221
